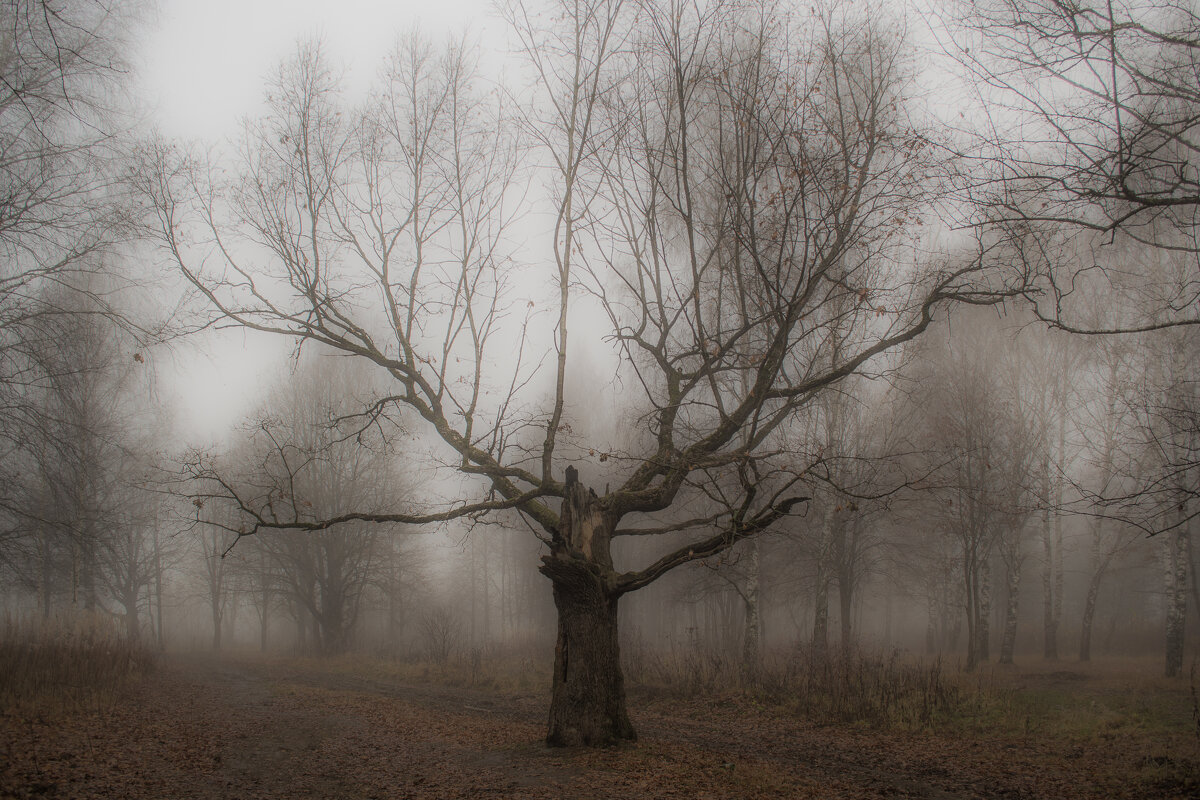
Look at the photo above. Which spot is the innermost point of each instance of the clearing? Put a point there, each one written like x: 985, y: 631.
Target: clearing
x: 250, y: 727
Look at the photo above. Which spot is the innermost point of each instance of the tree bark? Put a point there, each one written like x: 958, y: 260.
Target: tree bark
x: 1176, y: 584
x: 587, y: 700
x: 752, y: 643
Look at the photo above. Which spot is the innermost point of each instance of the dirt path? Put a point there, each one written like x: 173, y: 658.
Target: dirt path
x: 250, y: 729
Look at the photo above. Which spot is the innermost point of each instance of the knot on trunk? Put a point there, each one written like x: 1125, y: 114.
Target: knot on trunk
x: 580, y: 575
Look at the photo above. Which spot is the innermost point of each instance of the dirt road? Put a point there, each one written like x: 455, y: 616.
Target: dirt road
x: 245, y: 728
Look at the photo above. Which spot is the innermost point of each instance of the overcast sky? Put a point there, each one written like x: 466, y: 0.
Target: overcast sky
x: 203, y: 64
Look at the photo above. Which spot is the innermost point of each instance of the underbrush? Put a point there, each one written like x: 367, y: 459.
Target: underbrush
x: 878, y: 689
x: 881, y: 690
x: 65, y: 665
x: 900, y: 691
x: 504, y: 670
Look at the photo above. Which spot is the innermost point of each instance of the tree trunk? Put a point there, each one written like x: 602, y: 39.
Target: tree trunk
x: 133, y: 625
x: 1089, y: 614
x: 587, y: 701
x: 752, y: 643
x: 846, y: 598
x: 46, y: 585
x: 1009, y: 643
x: 1176, y: 584
x: 1049, y: 624
x: 820, y: 634
x: 216, y: 618
x: 971, y: 577
x: 983, y: 628
x: 158, y: 591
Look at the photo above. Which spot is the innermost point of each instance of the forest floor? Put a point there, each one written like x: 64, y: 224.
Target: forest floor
x: 245, y: 727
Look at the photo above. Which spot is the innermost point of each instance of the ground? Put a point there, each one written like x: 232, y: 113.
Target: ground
x: 246, y: 727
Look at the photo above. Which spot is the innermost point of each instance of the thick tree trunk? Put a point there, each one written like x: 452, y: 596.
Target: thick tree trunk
x: 587, y: 701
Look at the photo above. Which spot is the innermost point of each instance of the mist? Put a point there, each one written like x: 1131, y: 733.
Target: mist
x: 714, y: 385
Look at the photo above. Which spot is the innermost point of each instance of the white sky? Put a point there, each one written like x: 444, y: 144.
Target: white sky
x: 202, y: 67
x: 204, y: 62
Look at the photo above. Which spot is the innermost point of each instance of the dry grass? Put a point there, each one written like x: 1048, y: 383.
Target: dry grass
x: 1122, y: 698
x: 885, y: 690
x: 65, y: 664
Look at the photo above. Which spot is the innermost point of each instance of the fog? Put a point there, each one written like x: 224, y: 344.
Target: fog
x: 607, y: 347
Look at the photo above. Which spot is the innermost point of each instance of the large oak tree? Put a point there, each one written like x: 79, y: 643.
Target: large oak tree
x: 729, y: 185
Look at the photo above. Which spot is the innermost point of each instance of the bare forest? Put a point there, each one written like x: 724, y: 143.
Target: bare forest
x: 632, y: 398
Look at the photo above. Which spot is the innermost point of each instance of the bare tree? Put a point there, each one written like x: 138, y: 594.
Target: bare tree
x: 60, y: 213
x: 300, y: 460
x: 1164, y: 478
x: 728, y: 184
x: 1107, y: 425
x: 1086, y: 133
x: 982, y: 455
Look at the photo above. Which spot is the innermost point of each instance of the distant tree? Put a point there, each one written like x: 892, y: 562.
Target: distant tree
x: 1163, y: 478
x: 980, y: 455
x: 79, y: 515
x: 1106, y: 425
x: 61, y: 73
x: 1046, y: 369
x: 304, y: 460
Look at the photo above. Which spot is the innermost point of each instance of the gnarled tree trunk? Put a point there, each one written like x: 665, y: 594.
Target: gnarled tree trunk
x: 587, y: 701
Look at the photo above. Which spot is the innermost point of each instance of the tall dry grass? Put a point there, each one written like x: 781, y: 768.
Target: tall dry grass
x: 76, y: 663
x: 884, y: 689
